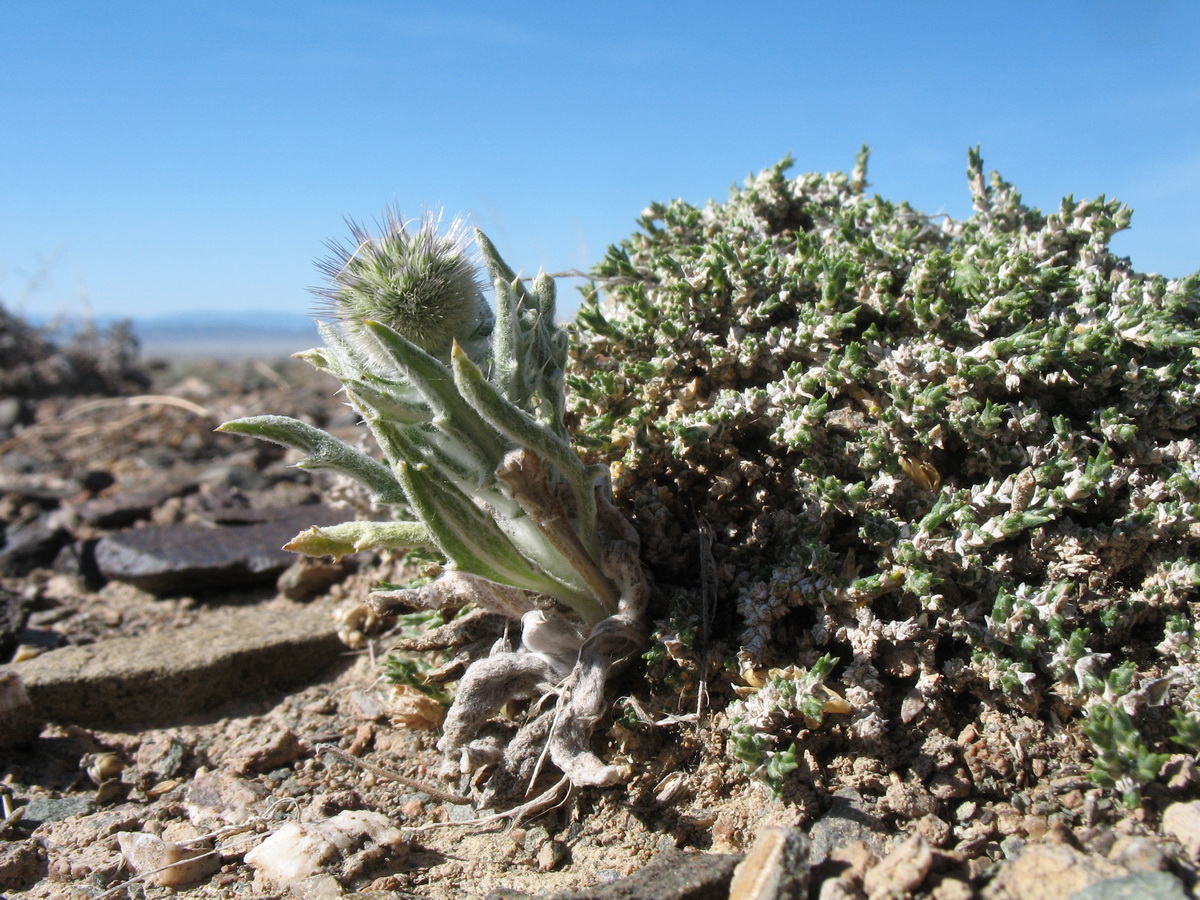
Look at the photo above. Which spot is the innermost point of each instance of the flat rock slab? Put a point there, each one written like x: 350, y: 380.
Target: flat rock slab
x: 242, y: 550
x: 126, y: 507
x: 165, y: 676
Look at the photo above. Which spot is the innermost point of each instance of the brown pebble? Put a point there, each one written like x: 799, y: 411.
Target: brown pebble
x: 550, y: 855
x: 1035, y: 827
x: 951, y: 784
x: 1008, y: 820
x: 1181, y: 821
x: 1059, y: 833
x: 413, y: 808
x: 937, y: 831
x: 901, y: 871
x: 1137, y: 854
x: 1072, y: 799
x: 909, y: 800
x: 952, y: 889
x: 857, y: 856
x: 363, y: 735
x: 774, y: 868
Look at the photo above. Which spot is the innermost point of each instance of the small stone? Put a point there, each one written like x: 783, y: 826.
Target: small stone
x: 838, y: 889
x: 1138, y: 854
x: 776, y: 868
x: 909, y: 800
x: 308, y: 578
x: 1181, y: 772
x: 1135, y: 886
x: 160, y: 757
x: 216, y: 799
x: 937, y: 831
x: 1012, y: 846
x: 1181, y: 821
x: 952, y: 889
x: 295, y: 855
x: 950, y: 784
x: 550, y: 855
x: 1035, y: 826
x: 671, y: 874
x: 166, y: 863
x: 901, y: 871
x: 535, y: 837
x: 1072, y: 800
x: 856, y: 856
x: 1008, y: 819
x: 30, y: 545
x: 195, y: 556
x: 364, y: 734
x: 124, y: 507
x: 14, y: 613
x: 258, y: 753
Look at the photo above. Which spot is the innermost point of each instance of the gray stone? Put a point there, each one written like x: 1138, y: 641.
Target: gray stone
x: 847, y: 820
x: 31, y: 544
x: 40, y: 810
x: 14, y: 613
x: 126, y: 507
x: 163, y: 676
x: 673, y: 875
x: 194, y: 557
x: 1137, y: 886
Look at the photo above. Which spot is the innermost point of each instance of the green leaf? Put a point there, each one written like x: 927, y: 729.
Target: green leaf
x: 354, y: 537
x: 522, y: 429
x: 324, y: 452
x: 452, y: 414
x: 471, y: 539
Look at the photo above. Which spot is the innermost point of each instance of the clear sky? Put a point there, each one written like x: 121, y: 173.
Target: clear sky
x: 182, y: 155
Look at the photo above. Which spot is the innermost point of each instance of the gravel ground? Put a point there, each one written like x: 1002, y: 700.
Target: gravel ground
x: 247, y: 730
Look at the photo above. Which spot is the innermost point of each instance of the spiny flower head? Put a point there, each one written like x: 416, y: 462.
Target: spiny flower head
x: 417, y: 279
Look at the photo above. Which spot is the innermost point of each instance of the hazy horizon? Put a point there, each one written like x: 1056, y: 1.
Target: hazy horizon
x: 197, y: 155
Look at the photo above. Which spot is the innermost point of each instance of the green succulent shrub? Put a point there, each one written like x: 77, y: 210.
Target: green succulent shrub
x: 959, y: 456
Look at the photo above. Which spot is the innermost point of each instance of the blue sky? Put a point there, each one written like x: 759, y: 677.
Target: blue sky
x: 180, y: 155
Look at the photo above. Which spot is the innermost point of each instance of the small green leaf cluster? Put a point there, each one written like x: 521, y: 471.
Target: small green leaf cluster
x: 1123, y: 761
x: 764, y: 728
x: 978, y: 438
x: 411, y: 672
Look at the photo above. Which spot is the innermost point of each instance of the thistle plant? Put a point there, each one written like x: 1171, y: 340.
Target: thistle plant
x: 466, y: 406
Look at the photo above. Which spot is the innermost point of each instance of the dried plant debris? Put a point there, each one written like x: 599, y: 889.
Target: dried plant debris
x: 958, y: 457
x: 93, y: 361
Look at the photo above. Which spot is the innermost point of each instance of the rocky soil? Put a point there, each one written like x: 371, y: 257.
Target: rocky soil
x: 196, y: 712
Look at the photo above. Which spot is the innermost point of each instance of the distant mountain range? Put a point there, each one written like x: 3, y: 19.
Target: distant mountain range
x: 217, y: 335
